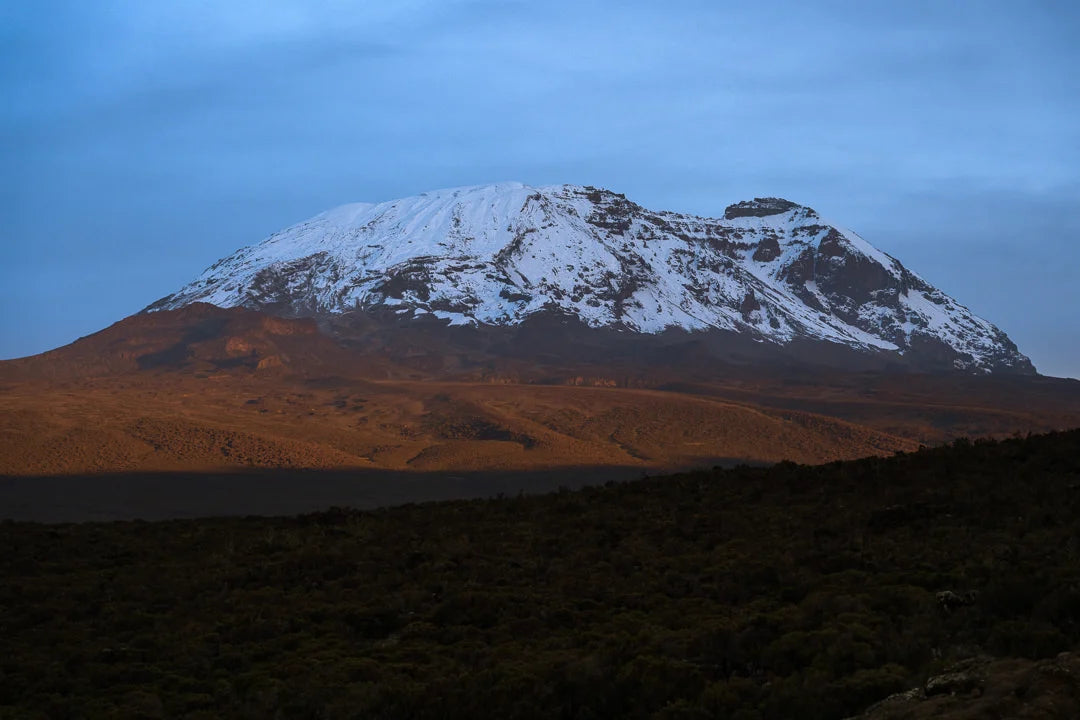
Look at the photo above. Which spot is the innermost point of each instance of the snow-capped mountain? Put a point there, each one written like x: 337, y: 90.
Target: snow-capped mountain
x: 497, y: 254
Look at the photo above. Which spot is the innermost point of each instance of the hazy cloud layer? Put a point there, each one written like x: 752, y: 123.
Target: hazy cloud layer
x: 142, y: 141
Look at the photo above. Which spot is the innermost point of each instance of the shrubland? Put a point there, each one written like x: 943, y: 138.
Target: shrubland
x: 778, y: 592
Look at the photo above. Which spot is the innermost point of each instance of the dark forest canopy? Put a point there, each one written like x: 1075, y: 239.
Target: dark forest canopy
x: 789, y: 591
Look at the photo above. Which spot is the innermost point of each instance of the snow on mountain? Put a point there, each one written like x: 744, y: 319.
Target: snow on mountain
x: 496, y: 254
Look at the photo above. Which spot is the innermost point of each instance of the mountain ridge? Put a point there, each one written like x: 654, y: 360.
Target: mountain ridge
x: 769, y: 269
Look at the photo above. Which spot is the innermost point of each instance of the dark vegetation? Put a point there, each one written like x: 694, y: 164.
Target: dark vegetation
x: 790, y: 591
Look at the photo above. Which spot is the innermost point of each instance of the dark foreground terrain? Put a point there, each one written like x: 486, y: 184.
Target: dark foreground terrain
x: 782, y: 592
x: 262, y: 491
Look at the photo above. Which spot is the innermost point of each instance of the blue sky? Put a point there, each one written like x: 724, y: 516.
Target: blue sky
x: 142, y: 141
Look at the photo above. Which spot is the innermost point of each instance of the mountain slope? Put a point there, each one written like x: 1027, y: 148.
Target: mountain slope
x: 498, y: 254
x: 206, y: 388
x: 203, y: 388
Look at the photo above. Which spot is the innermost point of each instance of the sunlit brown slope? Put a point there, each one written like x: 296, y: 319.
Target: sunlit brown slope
x: 204, y: 388
x: 199, y: 338
x: 812, y: 377
x: 232, y: 420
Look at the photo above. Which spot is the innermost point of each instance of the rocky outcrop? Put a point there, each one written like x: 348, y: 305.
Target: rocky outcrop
x: 950, y: 600
x: 758, y: 207
x: 984, y: 687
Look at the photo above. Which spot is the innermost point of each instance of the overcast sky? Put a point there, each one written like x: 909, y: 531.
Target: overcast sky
x: 141, y: 141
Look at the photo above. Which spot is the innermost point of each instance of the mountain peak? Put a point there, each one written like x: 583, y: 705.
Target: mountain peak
x: 761, y: 207
x: 495, y: 187
x: 771, y: 269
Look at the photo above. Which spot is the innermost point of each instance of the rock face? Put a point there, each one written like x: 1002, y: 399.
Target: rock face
x: 497, y: 254
x: 991, y: 688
